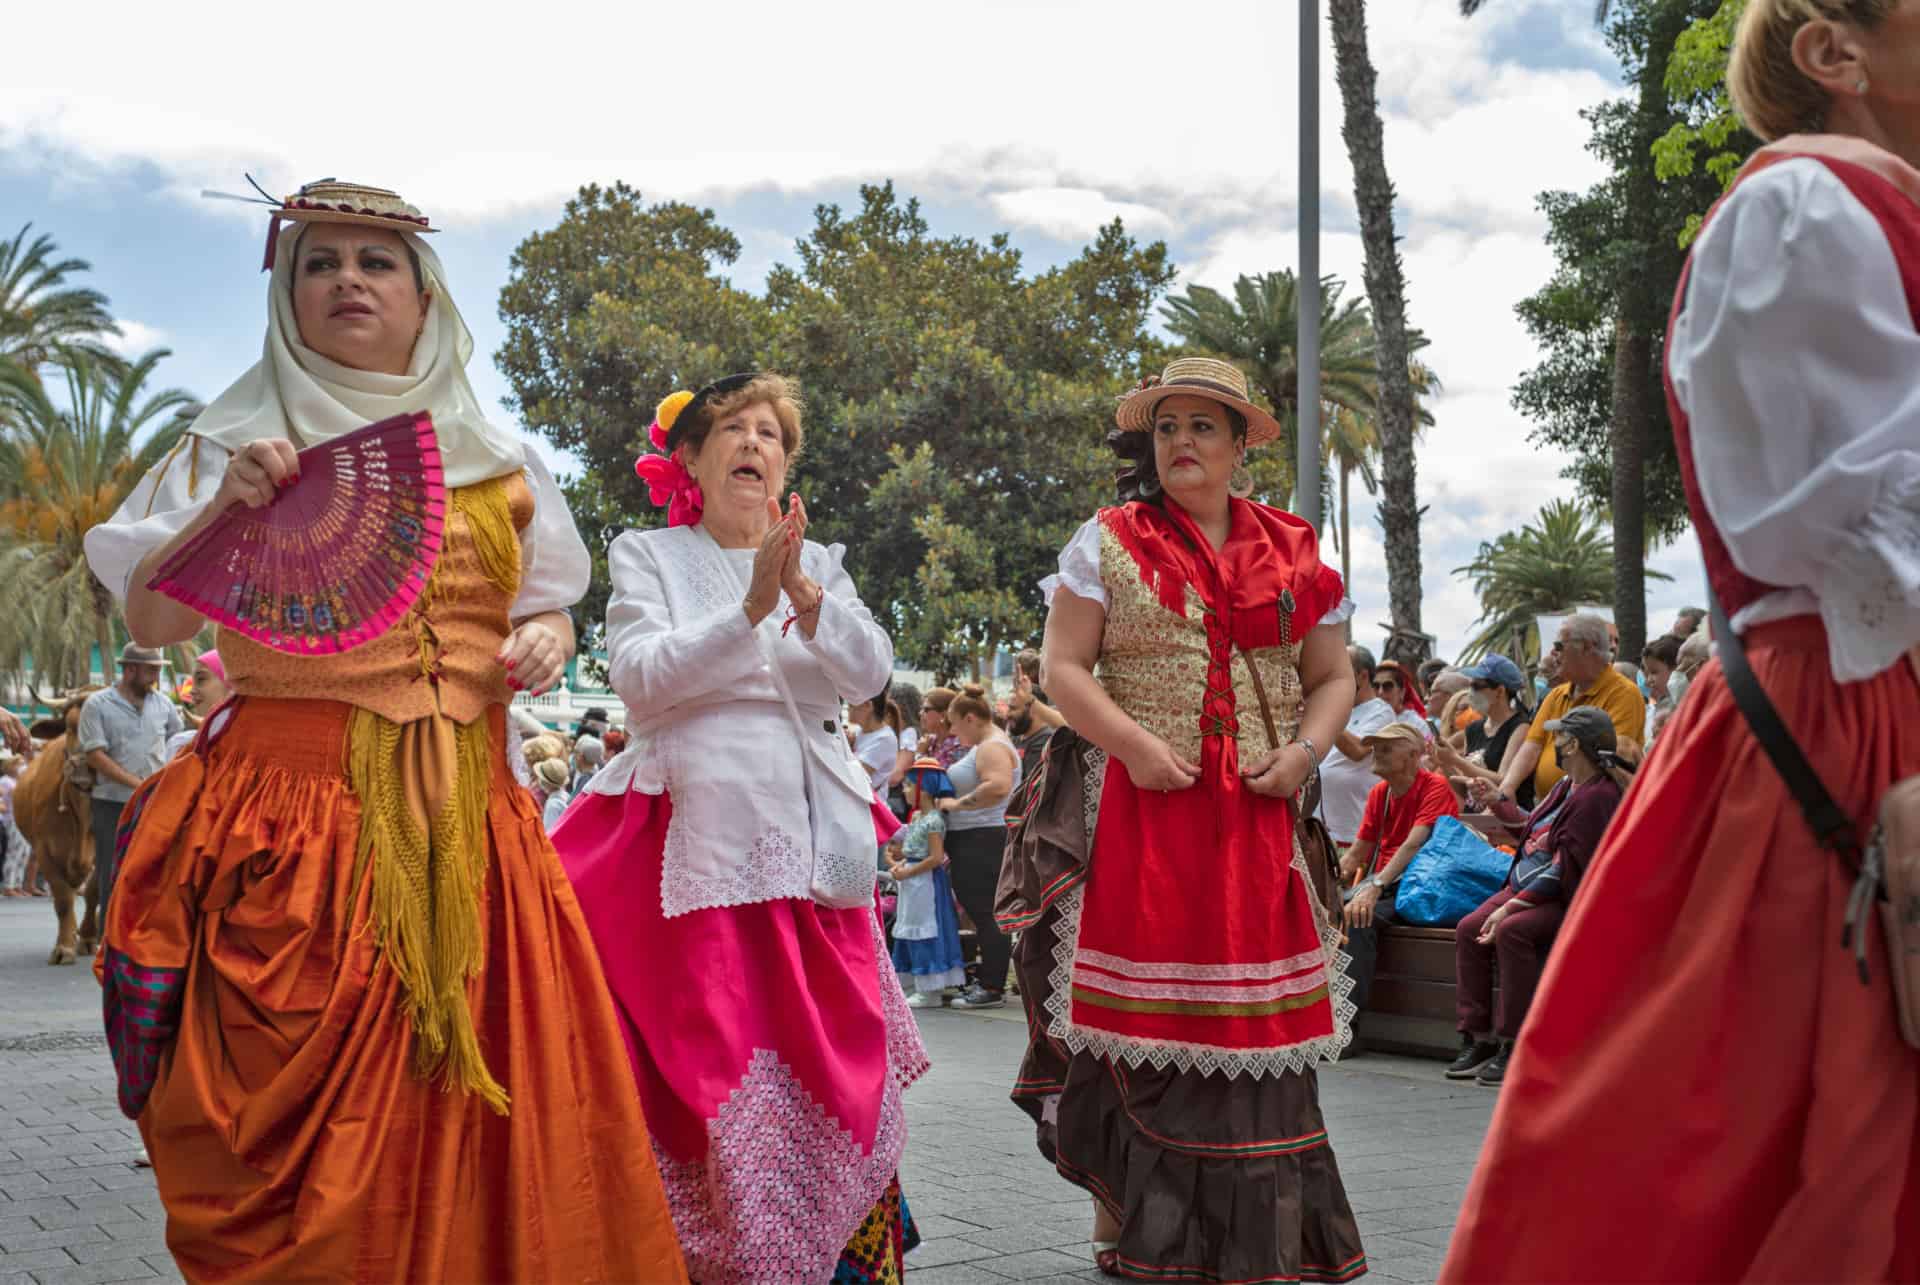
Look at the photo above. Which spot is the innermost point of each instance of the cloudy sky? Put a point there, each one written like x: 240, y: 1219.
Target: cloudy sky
x: 1042, y: 118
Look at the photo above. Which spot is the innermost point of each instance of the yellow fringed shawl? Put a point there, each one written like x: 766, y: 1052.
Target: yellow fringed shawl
x: 423, y: 788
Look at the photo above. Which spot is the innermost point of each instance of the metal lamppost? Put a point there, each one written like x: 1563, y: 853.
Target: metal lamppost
x: 1307, y: 407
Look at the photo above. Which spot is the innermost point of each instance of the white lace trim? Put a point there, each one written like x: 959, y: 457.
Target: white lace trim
x: 783, y: 1186
x: 844, y: 882
x: 1181, y: 1056
x: 1342, y: 613
x: 776, y: 867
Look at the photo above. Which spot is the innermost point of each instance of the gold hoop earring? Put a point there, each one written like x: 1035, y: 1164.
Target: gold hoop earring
x: 1240, y: 482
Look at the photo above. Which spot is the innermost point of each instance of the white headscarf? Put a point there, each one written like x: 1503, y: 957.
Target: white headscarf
x: 294, y: 392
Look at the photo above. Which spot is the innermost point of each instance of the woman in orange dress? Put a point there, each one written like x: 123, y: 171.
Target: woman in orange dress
x: 351, y: 998
x: 1705, y: 1089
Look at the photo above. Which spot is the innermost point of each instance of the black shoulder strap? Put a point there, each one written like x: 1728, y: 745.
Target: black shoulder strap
x: 1829, y: 824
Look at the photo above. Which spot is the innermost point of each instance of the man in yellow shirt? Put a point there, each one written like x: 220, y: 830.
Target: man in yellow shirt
x: 1588, y: 678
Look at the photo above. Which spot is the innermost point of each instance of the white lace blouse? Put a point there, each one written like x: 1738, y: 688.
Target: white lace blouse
x: 708, y: 724
x: 554, y: 563
x: 1797, y: 362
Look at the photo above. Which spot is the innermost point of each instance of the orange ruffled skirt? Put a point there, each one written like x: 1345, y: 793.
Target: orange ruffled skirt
x: 1704, y: 1091
x: 290, y: 1137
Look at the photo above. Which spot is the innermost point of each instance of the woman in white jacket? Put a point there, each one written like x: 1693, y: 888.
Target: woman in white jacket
x: 725, y: 861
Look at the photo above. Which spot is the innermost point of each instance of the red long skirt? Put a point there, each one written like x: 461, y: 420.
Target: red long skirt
x: 1704, y: 1090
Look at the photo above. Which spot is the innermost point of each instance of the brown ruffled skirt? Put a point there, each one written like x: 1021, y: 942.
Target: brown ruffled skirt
x: 1211, y: 1179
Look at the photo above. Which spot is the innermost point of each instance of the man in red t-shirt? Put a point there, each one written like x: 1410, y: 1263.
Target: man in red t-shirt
x: 1399, y: 817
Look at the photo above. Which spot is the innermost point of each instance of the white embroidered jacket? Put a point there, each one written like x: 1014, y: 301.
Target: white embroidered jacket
x: 709, y: 727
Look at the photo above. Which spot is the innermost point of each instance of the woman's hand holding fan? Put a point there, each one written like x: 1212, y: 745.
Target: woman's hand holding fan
x: 319, y: 551
x: 257, y: 473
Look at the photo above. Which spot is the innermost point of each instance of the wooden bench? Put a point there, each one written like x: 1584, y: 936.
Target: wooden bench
x: 1412, y: 1008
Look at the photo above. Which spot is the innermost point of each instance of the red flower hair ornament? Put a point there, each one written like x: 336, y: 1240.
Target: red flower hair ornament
x: 667, y: 479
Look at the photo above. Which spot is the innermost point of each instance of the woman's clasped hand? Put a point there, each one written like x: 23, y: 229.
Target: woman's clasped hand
x: 776, y: 565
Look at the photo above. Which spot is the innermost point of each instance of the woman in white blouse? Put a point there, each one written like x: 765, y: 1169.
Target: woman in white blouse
x: 345, y: 970
x: 726, y: 859
x: 1705, y: 955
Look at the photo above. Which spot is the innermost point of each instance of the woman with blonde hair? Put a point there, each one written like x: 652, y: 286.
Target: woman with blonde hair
x: 727, y: 861
x: 1705, y: 952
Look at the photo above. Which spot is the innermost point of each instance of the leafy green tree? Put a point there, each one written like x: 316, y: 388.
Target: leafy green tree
x: 1554, y: 563
x: 64, y: 466
x: 39, y: 310
x: 1257, y: 329
x: 1601, y: 319
x: 1710, y: 133
x: 986, y: 389
x: 605, y: 314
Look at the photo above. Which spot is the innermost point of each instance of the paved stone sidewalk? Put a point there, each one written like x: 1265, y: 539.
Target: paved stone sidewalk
x: 74, y: 1209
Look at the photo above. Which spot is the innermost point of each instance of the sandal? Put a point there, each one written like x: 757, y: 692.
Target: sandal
x: 1106, y: 1257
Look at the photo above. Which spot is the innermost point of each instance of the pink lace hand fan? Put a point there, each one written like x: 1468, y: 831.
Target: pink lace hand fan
x: 337, y: 558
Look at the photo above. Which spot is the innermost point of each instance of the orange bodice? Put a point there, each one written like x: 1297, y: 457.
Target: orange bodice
x: 440, y: 657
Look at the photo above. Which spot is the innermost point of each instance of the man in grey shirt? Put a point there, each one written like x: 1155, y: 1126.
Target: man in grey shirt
x: 123, y: 733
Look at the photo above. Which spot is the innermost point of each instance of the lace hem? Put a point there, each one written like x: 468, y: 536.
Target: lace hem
x: 775, y: 868
x: 1204, y: 1058
x: 783, y: 1187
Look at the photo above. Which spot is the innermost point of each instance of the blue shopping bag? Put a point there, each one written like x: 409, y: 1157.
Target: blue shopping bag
x: 1454, y: 871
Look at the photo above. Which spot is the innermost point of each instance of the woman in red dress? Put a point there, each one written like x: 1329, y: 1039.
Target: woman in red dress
x: 1183, y: 980
x: 1706, y: 1090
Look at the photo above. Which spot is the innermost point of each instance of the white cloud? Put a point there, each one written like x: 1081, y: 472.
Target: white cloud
x: 1055, y: 115
x: 136, y: 338
x: 1074, y: 213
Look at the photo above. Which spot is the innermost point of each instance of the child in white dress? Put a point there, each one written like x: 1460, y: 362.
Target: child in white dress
x: 926, y: 928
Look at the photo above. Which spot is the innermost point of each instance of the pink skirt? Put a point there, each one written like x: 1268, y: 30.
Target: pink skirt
x: 771, y: 1044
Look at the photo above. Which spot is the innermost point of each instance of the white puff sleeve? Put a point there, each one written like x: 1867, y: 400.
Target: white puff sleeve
x: 554, y: 563
x: 1795, y: 360
x: 162, y: 505
x: 847, y: 641
x: 1079, y: 572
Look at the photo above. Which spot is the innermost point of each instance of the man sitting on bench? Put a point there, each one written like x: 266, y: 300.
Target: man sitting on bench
x: 1399, y: 817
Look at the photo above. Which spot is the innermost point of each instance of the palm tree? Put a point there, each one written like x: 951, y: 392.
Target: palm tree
x: 1386, y: 292
x: 1257, y: 330
x: 1558, y: 561
x: 39, y: 311
x: 1352, y: 443
x: 64, y: 467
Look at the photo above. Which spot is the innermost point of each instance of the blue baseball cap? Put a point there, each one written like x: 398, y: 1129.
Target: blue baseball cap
x: 1497, y: 669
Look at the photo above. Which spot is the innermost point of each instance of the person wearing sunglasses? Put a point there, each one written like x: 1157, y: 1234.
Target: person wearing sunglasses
x: 1585, y: 653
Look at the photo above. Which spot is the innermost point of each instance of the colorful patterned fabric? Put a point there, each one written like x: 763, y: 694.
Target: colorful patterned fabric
x: 877, y: 1253
x: 141, y: 1005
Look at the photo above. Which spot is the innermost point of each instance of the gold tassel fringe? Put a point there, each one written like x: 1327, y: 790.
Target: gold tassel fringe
x: 426, y: 893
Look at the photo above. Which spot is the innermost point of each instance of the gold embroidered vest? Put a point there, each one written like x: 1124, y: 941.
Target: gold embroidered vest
x: 1160, y: 667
